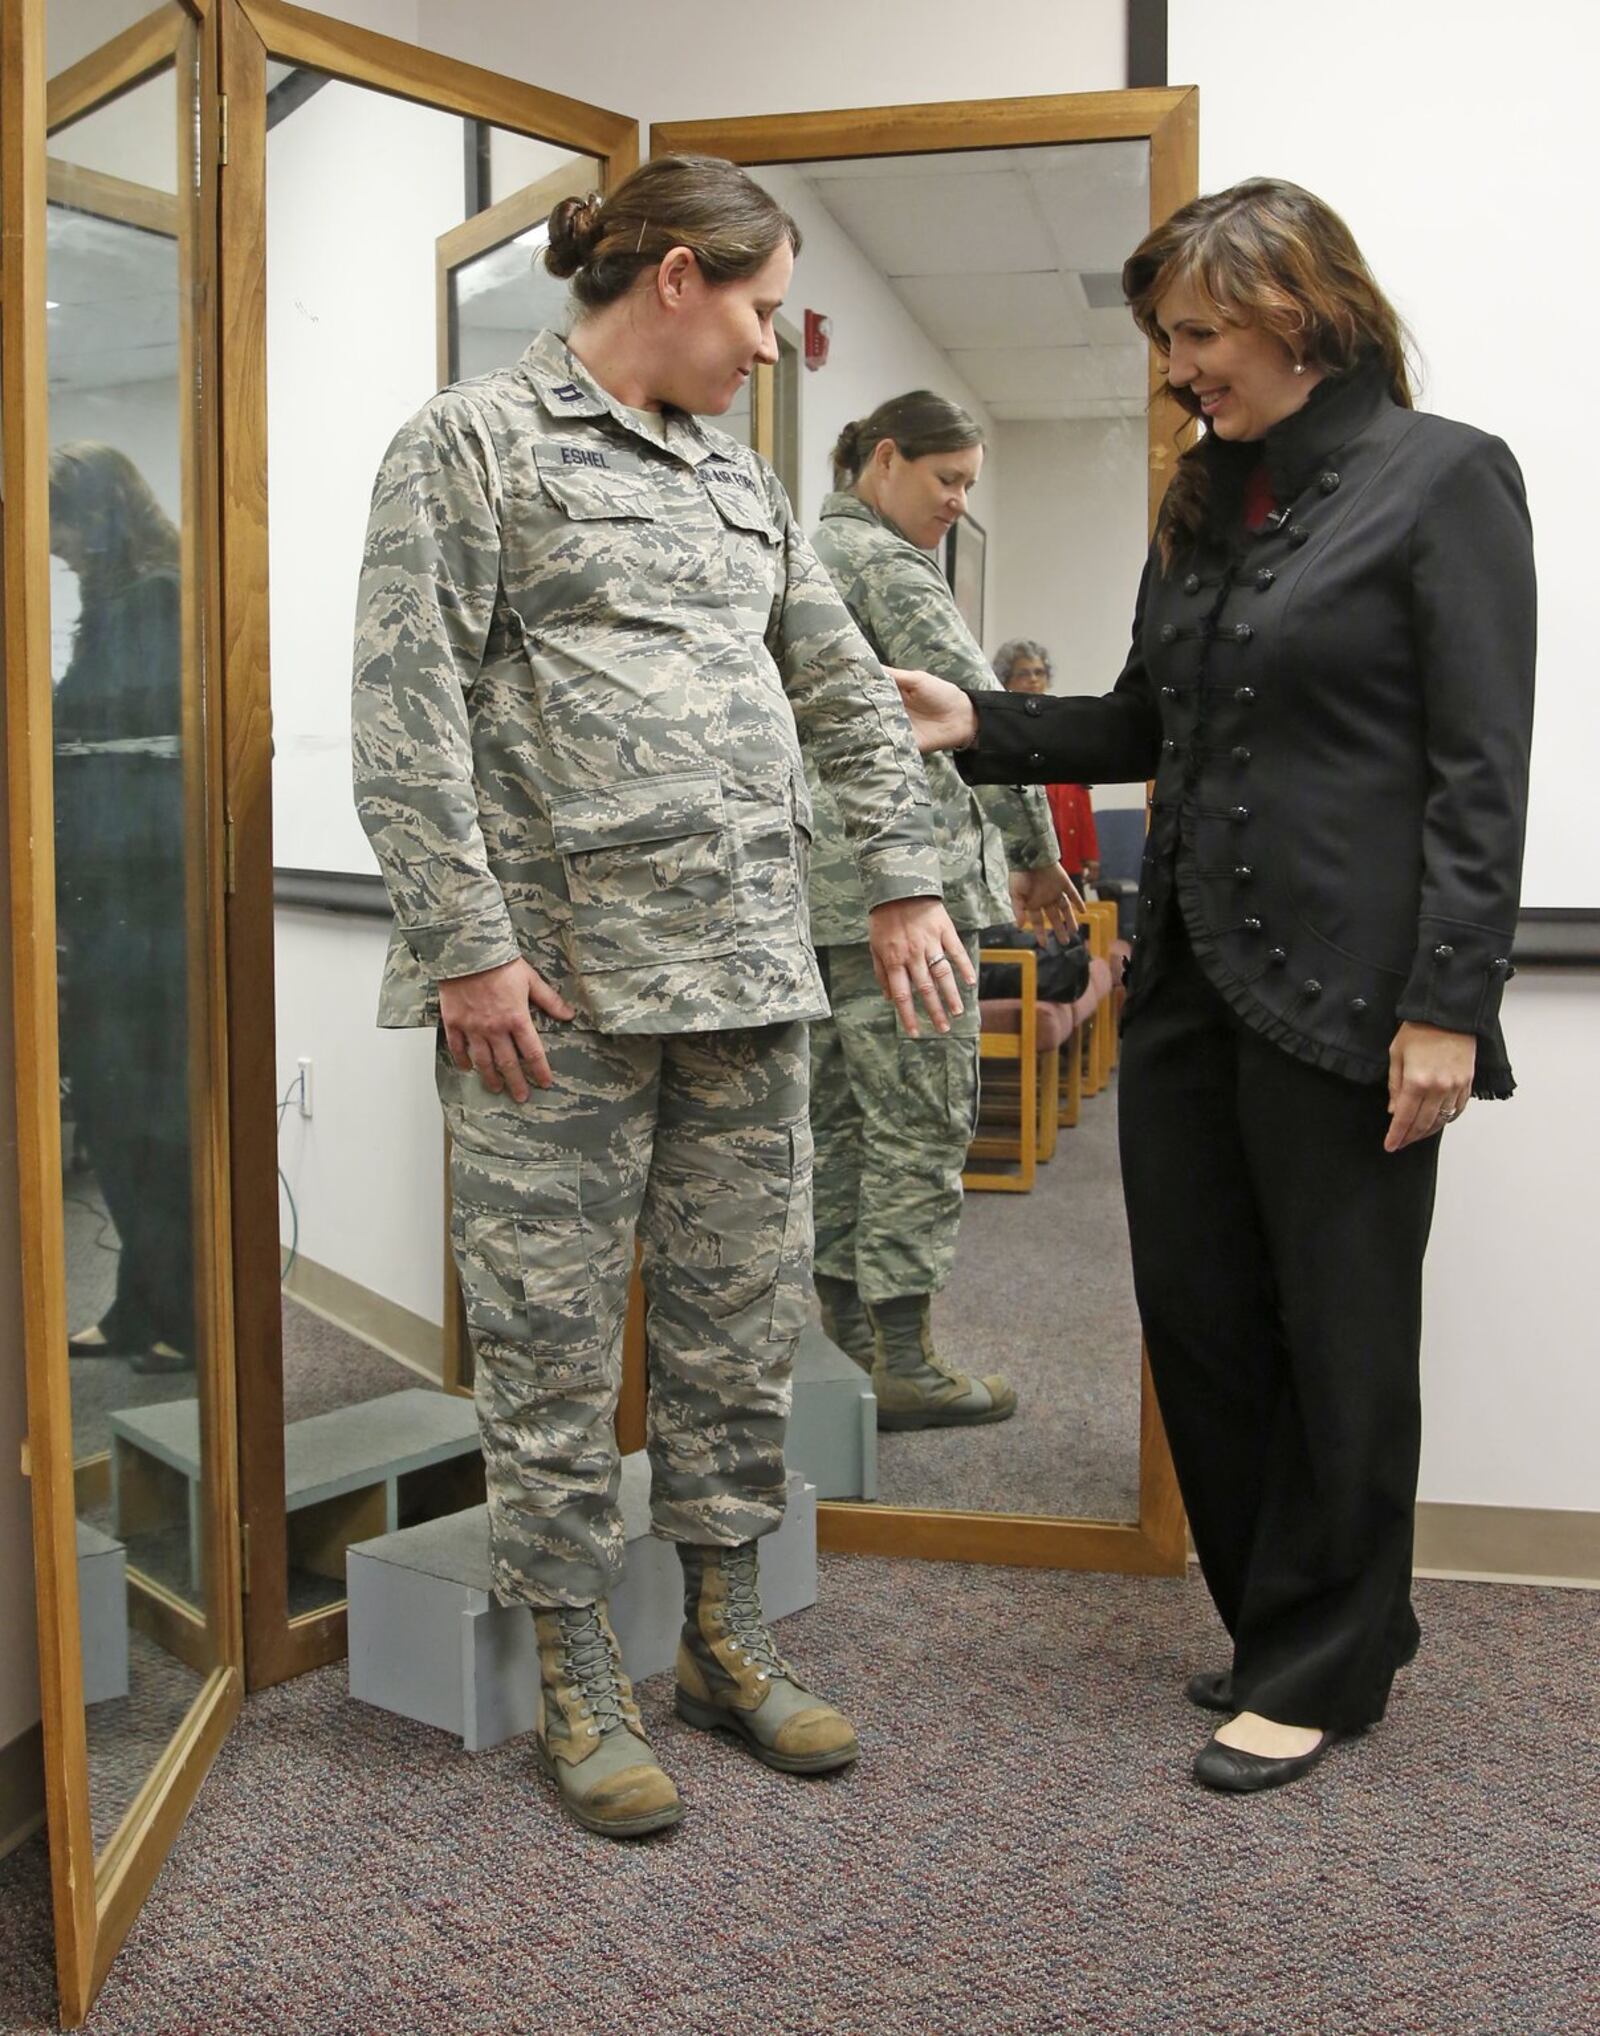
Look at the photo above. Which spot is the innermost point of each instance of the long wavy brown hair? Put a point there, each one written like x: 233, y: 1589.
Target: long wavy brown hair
x: 123, y: 532
x: 1271, y: 255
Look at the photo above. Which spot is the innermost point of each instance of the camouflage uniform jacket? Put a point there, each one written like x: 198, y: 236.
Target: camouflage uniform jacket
x: 898, y: 596
x: 586, y: 640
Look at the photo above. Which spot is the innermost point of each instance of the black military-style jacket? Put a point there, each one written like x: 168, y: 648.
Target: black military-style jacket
x: 1337, y: 714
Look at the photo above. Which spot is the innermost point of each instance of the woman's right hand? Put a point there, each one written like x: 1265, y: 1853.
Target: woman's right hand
x: 942, y: 715
x: 488, y: 1025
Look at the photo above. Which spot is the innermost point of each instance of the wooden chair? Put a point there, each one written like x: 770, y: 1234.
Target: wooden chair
x: 1023, y: 1034
x: 1100, y: 1046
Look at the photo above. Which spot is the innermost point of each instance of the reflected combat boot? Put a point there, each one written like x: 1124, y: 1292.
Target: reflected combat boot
x: 590, y: 1738
x: 844, y: 1319
x: 731, y: 1677
x: 914, y: 1386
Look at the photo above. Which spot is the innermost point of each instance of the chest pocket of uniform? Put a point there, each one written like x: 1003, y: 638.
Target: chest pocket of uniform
x: 750, y: 544
x: 648, y: 870
x: 595, y: 484
x: 739, y: 505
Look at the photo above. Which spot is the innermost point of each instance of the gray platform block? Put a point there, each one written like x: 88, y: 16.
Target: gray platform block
x: 428, y: 1640
x: 833, y: 1432
x: 102, y: 1614
x: 355, y: 1453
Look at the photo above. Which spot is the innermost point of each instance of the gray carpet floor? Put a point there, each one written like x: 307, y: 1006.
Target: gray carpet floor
x: 1019, y: 1851
x: 1043, y: 1293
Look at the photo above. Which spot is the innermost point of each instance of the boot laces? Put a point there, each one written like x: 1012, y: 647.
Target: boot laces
x: 742, y: 1620
x: 592, y: 1668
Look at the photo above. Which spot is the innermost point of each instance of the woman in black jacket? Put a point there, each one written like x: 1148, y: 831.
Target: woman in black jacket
x: 1331, y: 684
x: 119, y: 798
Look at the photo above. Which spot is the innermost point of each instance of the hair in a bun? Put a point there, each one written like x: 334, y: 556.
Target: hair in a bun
x: 730, y: 225
x: 919, y: 423
x: 574, y: 227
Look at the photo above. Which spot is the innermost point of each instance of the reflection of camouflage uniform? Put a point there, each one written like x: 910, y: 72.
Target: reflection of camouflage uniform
x: 892, y: 1117
x: 586, y: 637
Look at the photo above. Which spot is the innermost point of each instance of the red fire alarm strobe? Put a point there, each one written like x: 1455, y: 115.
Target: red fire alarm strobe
x: 819, y: 331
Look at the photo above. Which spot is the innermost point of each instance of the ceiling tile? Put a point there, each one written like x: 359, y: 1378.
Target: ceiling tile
x: 1034, y: 308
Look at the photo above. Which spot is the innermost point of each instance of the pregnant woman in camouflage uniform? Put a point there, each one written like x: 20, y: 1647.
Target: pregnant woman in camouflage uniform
x: 591, y: 641
x: 893, y: 1116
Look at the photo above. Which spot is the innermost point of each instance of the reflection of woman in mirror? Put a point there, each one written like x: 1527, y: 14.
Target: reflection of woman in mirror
x: 892, y: 1117
x: 1023, y: 666
x: 120, y: 893
x: 592, y: 643
x: 1331, y: 682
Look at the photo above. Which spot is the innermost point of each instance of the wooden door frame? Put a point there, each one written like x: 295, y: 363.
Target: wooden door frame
x: 1168, y: 120
x: 96, y: 1899
x: 252, y: 33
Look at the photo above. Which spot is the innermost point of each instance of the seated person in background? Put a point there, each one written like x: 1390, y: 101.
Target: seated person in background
x: 1063, y: 966
x: 1023, y: 666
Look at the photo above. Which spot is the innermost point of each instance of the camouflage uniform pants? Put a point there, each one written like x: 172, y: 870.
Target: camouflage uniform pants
x: 699, y: 1143
x: 892, y: 1118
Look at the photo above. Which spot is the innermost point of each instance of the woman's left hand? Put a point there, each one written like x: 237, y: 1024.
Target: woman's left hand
x: 1046, y: 901
x: 1430, y: 1081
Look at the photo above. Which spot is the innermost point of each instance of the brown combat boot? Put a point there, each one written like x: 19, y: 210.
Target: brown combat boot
x: 590, y: 1738
x: 844, y: 1319
x: 731, y: 1677
x: 915, y: 1387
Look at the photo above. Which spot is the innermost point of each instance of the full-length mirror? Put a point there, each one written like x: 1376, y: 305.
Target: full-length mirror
x: 992, y: 278
x: 988, y: 277
x: 130, y: 890
x: 108, y: 524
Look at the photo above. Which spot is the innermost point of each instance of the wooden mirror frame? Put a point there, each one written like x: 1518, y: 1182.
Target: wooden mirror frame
x: 1154, y: 1544
x: 96, y: 1897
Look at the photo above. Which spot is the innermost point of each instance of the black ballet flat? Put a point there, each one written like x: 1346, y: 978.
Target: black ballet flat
x: 1212, y: 1690
x: 1238, y: 1773
x: 112, y: 1345
x: 161, y: 1360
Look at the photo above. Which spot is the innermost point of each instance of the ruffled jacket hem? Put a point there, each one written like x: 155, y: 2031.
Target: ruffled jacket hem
x: 1492, y: 1083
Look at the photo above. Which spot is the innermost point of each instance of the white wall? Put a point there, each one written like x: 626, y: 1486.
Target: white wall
x: 1454, y: 135
x: 1074, y: 500
x: 359, y: 187
x: 1451, y: 134
x: 367, y: 1170
x: 706, y: 59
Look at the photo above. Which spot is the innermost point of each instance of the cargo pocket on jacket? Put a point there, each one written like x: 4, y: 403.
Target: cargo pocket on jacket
x: 522, y: 1254
x: 647, y: 866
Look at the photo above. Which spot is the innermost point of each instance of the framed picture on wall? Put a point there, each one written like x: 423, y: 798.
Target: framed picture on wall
x: 964, y: 551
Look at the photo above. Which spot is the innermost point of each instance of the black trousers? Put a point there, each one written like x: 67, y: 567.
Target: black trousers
x: 1277, y: 1259
x: 124, y: 1047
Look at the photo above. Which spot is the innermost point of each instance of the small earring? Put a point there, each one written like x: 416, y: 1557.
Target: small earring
x: 1299, y: 367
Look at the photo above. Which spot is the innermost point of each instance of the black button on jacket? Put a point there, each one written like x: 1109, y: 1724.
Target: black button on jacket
x: 1343, y: 705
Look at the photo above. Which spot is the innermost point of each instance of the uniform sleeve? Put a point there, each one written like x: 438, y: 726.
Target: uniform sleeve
x: 910, y: 614
x: 1473, y: 614
x: 428, y: 586
x: 852, y: 724
x: 1037, y: 738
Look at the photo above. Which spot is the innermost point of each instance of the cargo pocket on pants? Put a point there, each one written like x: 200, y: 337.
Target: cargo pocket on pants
x: 522, y: 1253
x: 791, y: 1293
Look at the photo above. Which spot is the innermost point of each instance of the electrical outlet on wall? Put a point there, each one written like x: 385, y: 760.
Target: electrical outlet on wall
x: 304, y: 1097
